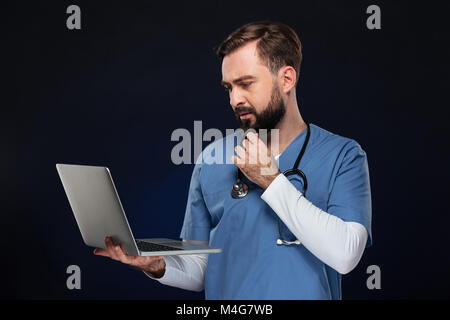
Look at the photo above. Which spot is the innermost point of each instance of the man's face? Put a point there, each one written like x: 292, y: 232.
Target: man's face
x: 254, y: 92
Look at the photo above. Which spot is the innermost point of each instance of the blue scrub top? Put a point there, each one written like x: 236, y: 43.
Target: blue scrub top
x: 251, y: 264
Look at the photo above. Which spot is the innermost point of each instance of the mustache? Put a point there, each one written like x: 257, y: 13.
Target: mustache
x: 244, y: 109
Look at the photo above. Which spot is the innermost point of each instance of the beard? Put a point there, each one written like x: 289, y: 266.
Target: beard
x: 266, y: 119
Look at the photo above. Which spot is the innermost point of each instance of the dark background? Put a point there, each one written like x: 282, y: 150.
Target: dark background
x: 113, y: 92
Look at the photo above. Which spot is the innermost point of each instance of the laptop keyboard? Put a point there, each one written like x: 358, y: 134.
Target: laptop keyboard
x: 147, y: 246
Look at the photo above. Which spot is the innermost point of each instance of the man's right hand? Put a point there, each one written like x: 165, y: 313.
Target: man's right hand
x: 155, y: 266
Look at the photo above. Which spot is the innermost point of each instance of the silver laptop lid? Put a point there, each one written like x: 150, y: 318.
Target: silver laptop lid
x: 96, y: 206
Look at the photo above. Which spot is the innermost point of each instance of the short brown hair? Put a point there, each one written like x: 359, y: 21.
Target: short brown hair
x: 278, y: 44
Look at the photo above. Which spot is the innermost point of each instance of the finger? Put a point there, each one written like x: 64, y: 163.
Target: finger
x: 129, y: 258
x: 121, y: 255
x: 245, y: 144
x: 238, y: 162
x: 110, y: 247
x: 239, y: 149
x: 108, y: 243
x: 251, y: 152
x: 240, y: 152
x: 264, y: 156
x: 252, y: 137
x: 101, y: 252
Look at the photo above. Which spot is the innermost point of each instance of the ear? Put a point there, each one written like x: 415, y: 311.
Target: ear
x: 287, y: 77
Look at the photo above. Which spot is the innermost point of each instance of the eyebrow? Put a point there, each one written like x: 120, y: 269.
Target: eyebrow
x: 237, y: 80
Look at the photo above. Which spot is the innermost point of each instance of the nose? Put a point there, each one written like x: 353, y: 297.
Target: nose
x: 236, y: 98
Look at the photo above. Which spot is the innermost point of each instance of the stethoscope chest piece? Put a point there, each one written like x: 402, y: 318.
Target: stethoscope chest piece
x: 239, y: 190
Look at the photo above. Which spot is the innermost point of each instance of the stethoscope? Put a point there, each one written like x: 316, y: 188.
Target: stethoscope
x: 240, y: 189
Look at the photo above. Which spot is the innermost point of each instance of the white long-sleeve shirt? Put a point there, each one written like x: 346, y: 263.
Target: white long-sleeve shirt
x: 335, y: 242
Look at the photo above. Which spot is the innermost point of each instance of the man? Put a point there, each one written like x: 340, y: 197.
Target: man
x: 331, y: 221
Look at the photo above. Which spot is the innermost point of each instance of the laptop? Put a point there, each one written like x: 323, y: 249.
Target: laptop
x: 99, y: 213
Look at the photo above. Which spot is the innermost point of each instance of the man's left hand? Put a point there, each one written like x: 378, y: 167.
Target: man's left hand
x: 256, y: 161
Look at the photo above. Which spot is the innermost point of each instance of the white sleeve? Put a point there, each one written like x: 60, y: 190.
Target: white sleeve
x: 184, y: 271
x: 335, y: 242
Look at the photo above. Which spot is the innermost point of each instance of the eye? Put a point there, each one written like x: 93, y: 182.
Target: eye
x: 246, y: 84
